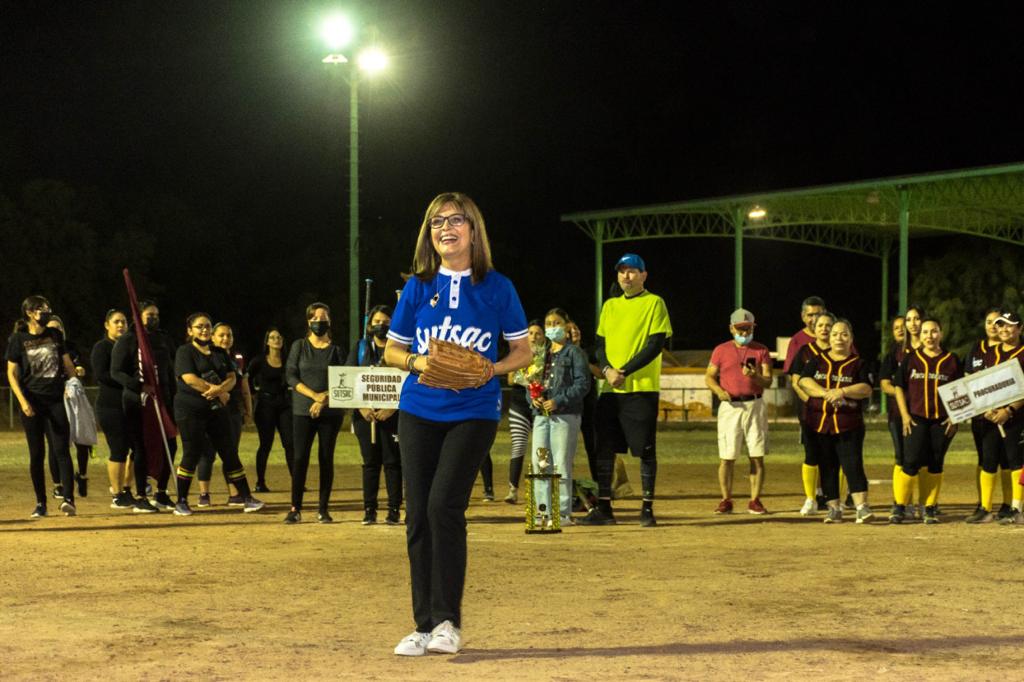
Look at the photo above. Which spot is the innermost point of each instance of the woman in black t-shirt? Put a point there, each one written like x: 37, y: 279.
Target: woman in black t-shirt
x: 37, y: 365
x: 82, y: 452
x: 273, y: 408
x: 206, y: 375
x: 110, y: 413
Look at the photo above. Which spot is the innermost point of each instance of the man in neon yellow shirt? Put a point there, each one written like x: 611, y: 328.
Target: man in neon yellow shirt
x: 630, y: 337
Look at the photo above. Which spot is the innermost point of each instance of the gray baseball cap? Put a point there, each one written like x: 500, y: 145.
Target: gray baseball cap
x: 740, y: 317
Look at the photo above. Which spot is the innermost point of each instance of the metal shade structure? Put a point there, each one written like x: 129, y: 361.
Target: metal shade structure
x: 873, y: 218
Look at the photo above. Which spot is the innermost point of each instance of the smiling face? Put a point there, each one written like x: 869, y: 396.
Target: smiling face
x: 991, y: 329
x: 931, y: 335
x: 899, y: 331
x: 822, y: 329
x: 452, y: 242
x: 631, y: 280
x: 912, y: 321
x: 535, y: 335
x: 201, y: 328
x: 1009, y: 333
x: 223, y: 337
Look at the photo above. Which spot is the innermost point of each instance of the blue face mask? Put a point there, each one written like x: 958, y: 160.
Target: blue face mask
x: 743, y: 340
x: 556, y: 334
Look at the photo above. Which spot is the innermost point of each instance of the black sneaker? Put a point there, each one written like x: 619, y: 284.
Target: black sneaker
x: 980, y: 515
x: 39, y: 512
x: 123, y: 500
x: 324, y: 517
x: 647, y: 519
x: 898, y: 514
x: 83, y: 485
x: 930, y: 515
x: 597, y: 518
x: 236, y: 501
x: 261, y: 488
x: 58, y: 492
x: 394, y: 518
x: 370, y: 517
x: 144, y: 506
x: 293, y: 517
x: 68, y: 507
x: 162, y: 501
x: 489, y: 495
x: 1005, y: 511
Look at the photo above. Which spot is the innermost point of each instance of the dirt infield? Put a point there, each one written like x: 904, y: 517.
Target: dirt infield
x: 224, y: 595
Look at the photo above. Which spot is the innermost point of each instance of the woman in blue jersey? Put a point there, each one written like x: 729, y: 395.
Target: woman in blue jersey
x: 455, y: 295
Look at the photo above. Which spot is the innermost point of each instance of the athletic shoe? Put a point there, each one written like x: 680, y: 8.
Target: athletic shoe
x: 413, y: 645
x: 835, y: 515
x: 68, y: 507
x: 143, y: 506
x: 1013, y: 519
x: 162, y: 501
x: 123, y: 500
x: 251, y: 504
x: 83, y: 485
x: 149, y: 489
x: 930, y: 515
x: 864, y: 514
x: 915, y: 511
x: 236, y: 501
x: 513, y: 495
x: 724, y: 507
x: 394, y: 518
x: 445, y: 639
x: 204, y: 500
x: 261, y: 488
x: 810, y: 507
x: 570, y: 521
x: 39, y: 512
x: 596, y: 517
x: 981, y: 515
x: 1005, y: 512
x: 755, y: 507
x: 293, y: 517
x: 324, y: 517
x: 898, y: 514
x: 488, y: 495
x: 647, y: 519
x: 370, y: 517
x: 182, y: 509
x: 58, y: 492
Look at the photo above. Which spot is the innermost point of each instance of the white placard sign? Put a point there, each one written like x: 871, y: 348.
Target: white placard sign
x: 982, y: 391
x: 375, y: 387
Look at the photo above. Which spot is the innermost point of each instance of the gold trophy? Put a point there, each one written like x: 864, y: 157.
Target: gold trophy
x: 542, y: 513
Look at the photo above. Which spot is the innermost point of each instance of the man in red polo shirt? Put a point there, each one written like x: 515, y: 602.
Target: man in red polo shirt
x: 739, y: 371
x: 809, y: 311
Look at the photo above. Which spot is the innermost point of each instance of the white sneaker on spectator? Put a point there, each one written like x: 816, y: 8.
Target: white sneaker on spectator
x: 413, y: 645
x: 810, y: 507
x: 445, y: 639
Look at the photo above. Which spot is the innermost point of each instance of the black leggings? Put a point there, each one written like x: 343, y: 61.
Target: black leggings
x: 112, y: 422
x: 271, y: 416
x: 898, y: 445
x: 487, y: 473
x: 204, y: 433
x: 49, y: 423
x: 204, y: 470
x: 810, y: 445
x: 440, y: 461
x: 82, y: 453
x: 133, y: 426
x: 632, y: 419
x: 843, y: 450
x: 384, y: 454
x: 325, y: 428
x: 997, y: 451
x: 925, y: 447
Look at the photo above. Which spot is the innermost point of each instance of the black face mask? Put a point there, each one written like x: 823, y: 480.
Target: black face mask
x: 319, y: 327
x: 152, y: 324
x: 380, y: 331
x: 201, y: 342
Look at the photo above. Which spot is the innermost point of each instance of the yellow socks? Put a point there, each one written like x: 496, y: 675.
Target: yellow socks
x: 988, y: 484
x: 809, y: 475
x: 902, y: 486
x: 929, y: 487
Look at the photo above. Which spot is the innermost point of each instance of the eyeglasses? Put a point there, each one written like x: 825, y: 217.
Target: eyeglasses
x: 454, y: 220
x: 202, y: 327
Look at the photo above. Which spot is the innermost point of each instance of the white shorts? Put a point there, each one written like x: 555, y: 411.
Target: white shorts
x: 739, y: 424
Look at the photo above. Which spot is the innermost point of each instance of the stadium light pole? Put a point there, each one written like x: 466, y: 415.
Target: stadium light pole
x: 338, y: 33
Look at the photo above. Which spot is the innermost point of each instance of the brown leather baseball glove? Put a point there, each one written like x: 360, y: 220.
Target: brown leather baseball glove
x: 449, y: 365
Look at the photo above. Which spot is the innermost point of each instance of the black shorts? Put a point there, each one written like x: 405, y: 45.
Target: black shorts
x: 925, y: 447
x: 1001, y: 452
x: 628, y: 421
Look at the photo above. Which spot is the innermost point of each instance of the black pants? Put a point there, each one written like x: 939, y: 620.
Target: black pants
x: 925, y: 447
x: 997, y: 451
x: 48, y: 424
x: 846, y: 451
x: 203, y: 433
x: 810, y: 444
x: 204, y: 470
x: 384, y: 454
x: 137, y: 441
x: 631, y: 418
x: 112, y: 422
x: 325, y: 428
x: 82, y: 453
x: 896, y: 433
x: 588, y: 428
x: 487, y: 472
x: 271, y: 416
x: 440, y: 461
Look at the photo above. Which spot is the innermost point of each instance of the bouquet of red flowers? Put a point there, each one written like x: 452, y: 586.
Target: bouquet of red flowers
x: 537, y: 392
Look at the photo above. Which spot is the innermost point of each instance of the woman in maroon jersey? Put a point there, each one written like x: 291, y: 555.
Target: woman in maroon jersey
x: 809, y: 469
x: 926, y: 427
x: 837, y: 384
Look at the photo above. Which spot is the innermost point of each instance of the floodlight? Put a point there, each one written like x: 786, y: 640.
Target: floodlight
x: 757, y: 213
x: 373, y: 60
x: 337, y: 31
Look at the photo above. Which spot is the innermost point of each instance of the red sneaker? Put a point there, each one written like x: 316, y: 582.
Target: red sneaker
x: 724, y: 507
x: 755, y: 507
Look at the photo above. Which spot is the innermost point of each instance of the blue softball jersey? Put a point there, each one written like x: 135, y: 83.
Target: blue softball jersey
x: 471, y: 315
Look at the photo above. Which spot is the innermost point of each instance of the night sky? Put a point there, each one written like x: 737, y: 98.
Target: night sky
x: 533, y: 108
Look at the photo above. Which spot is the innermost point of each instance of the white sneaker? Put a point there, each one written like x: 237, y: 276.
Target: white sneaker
x: 445, y: 639
x: 810, y: 507
x: 413, y: 645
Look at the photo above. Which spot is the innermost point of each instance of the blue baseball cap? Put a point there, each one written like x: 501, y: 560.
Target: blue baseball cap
x: 631, y: 260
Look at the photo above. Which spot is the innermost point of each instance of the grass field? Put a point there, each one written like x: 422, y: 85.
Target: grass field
x: 223, y: 595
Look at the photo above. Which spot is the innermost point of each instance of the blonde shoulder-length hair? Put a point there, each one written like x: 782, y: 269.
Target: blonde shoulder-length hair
x: 426, y: 260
